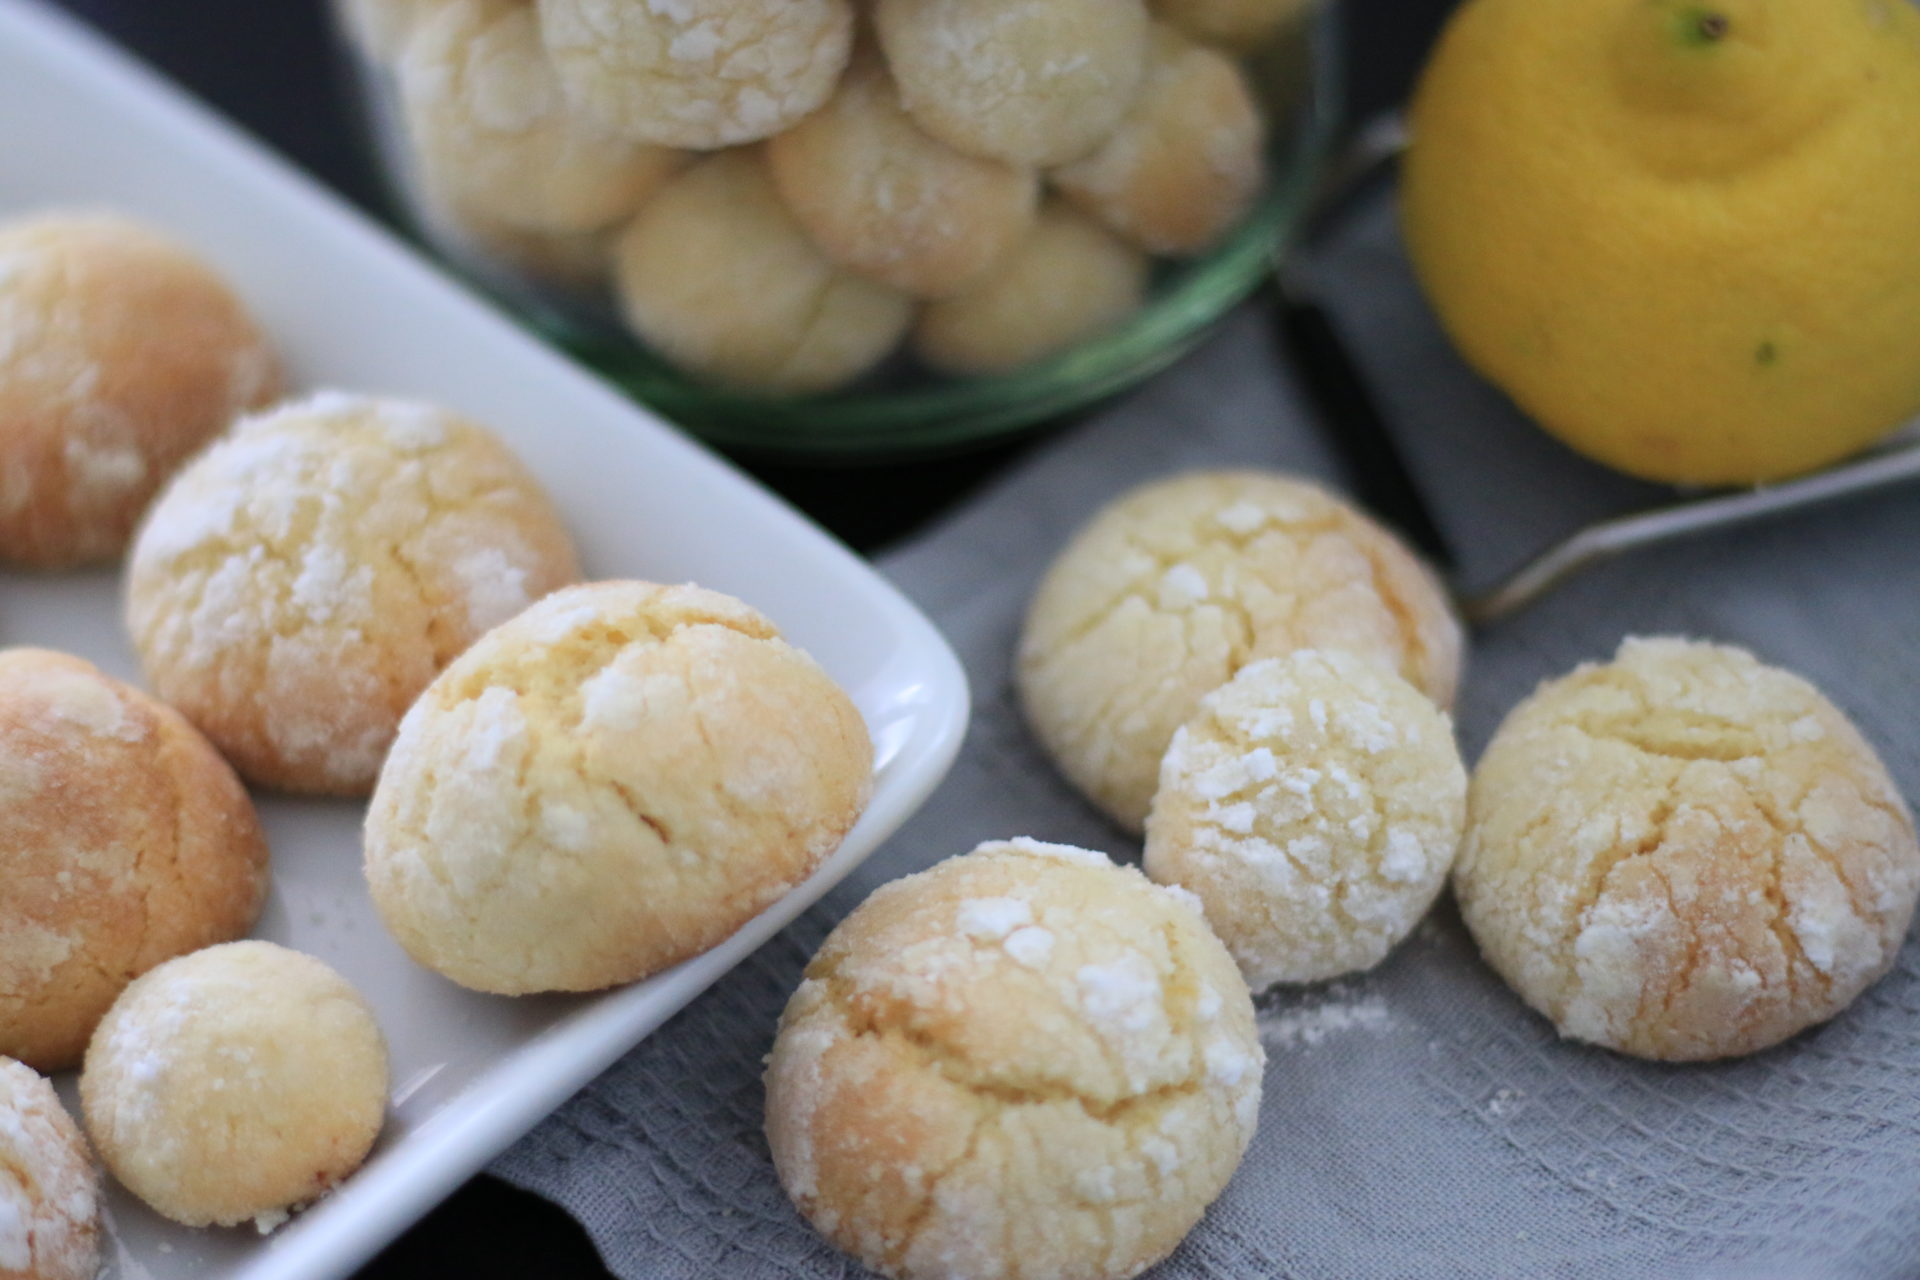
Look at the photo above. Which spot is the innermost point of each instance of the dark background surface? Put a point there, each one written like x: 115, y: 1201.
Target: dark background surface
x: 269, y: 65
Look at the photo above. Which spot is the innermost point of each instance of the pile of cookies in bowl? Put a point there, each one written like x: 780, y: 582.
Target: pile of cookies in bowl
x: 782, y: 197
x: 571, y: 784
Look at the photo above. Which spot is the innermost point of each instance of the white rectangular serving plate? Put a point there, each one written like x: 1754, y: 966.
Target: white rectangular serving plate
x: 350, y: 307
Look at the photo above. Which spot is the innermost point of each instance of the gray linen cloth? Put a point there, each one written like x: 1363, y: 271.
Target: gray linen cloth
x: 1419, y: 1120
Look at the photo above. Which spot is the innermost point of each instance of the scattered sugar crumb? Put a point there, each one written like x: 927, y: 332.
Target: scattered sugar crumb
x: 1306, y: 1025
x: 1505, y: 1102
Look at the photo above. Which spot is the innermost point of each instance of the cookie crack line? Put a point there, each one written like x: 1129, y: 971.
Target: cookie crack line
x: 958, y: 1070
x: 922, y: 1214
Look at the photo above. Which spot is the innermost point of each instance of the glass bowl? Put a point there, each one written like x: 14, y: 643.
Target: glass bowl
x: 901, y: 410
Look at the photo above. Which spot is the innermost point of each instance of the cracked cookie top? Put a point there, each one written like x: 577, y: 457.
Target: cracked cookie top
x: 1685, y: 853
x: 1314, y: 805
x: 1178, y: 584
x: 1037, y: 82
x: 1024, y: 1062
x: 615, y: 780
x: 497, y: 142
x: 49, y: 1193
x: 707, y: 75
x: 300, y: 583
x: 124, y: 840
x: 121, y: 354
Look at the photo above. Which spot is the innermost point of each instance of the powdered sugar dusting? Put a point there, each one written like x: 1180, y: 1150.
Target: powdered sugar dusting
x: 1125, y: 994
x: 495, y: 587
x: 1030, y: 946
x: 992, y: 919
x: 1336, y: 1013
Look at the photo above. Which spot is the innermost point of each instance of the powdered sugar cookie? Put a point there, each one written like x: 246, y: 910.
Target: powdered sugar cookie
x: 49, y: 1193
x: 1186, y: 163
x: 235, y: 1084
x: 884, y: 198
x: 296, y: 587
x: 1033, y: 82
x: 1067, y: 281
x: 1685, y: 854
x: 1175, y: 586
x: 493, y: 134
x: 120, y: 354
x: 716, y: 274
x: 615, y: 780
x: 1314, y: 804
x: 125, y: 840
x: 1024, y: 1062
x: 697, y: 73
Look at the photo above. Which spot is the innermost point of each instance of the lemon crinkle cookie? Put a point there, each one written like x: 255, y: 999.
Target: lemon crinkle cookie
x: 495, y: 139
x: 1036, y: 82
x: 302, y: 581
x: 1178, y: 584
x: 884, y: 198
x: 615, y: 780
x: 1315, y: 805
x: 717, y: 274
x: 1025, y: 1062
x: 1185, y: 163
x: 120, y: 355
x: 1684, y: 853
x: 1068, y: 279
x: 49, y: 1193
x: 125, y: 840
x: 235, y: 1085
x: 697, y: 73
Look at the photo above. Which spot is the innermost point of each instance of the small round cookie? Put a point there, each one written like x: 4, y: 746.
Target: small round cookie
x: 717, y: 275
x: 1241, y: 26
x: 1175, y: 586
x: 49, y: 1193
x: 886, y: 199
x: 1070, y: 279
x: 299, y: 584
x: 1032, y: 82
x: 1314, y: 805
x: 615, y: 780
x: 235, y: 1084
x: 120, y: 355
x: 492, y: 133
x: 125, y: 840
x: 706, y: 75
x: 1187, y: 161
x: 1685, y: 854
x: 1024, y: 1062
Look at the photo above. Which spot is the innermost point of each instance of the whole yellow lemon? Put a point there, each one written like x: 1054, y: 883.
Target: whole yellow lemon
x: 1683, y: 235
